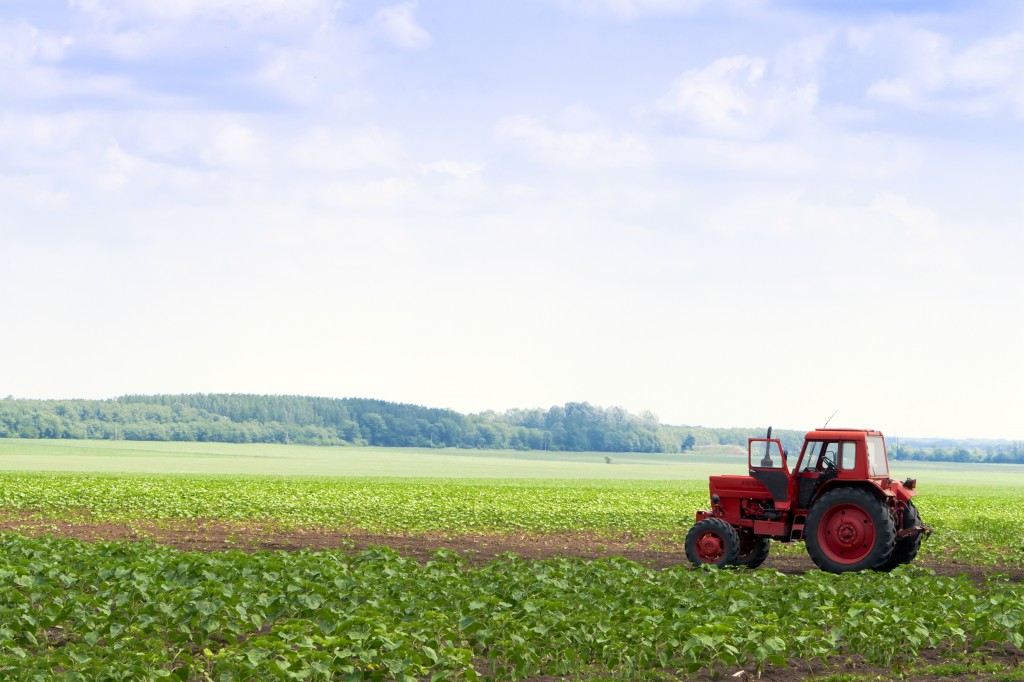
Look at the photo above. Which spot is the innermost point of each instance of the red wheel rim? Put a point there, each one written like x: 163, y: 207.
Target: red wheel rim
x: 710, y: 548
x: 846, y: 534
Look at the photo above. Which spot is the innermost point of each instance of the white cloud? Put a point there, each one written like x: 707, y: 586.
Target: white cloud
x: 379, y: 195
x: 459, y: 170
x: 780, y: 159
x: 29, y: 66
x: 920, y: 222
x: 632, y: 9
x: 23, y: 43
x: 40, y: 133
x: 992, y: 62
x: 324, y: 149
x: 321, y: 66
x: 590, y: 149
x: 919, y: 56
x: 193, y: 158
x: 31, y: 191
x: 928, y: 73
x: 119, y: 168
x: 732, y: 97
x: 397, y: 24
x: 802, y: 60
x: 130, y: 177
x: 307, y: 52
x: 123, y: 11
x: 716, y: 97
x: 237, y: 146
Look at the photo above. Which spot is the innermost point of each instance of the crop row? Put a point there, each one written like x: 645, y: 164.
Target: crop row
x: 975, y: 525
x: 140, y: 611
x: 375, y: 504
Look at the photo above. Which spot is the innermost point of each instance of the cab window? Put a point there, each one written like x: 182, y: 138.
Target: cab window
x: 766, y: 454
x: 878, y: 465
x: 848, y: 456
x: 811, y: 454
x: 816, y: 453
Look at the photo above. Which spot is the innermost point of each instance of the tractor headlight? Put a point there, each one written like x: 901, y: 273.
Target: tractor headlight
x: 910, y: 483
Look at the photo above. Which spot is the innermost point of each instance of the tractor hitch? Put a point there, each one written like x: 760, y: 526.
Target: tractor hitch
x: 914, y: 530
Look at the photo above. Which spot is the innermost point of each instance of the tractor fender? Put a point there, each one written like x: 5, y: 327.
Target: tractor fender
x: 901, y: 491
x: 869, y: 485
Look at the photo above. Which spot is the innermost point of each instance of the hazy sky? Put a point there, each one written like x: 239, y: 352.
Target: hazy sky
x: 729, y: 213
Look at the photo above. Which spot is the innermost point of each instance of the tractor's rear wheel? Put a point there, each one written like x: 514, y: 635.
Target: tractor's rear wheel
x: 905, y: 550
x: 753, y: 550
x: 849, y: 529
x: 712, y: 541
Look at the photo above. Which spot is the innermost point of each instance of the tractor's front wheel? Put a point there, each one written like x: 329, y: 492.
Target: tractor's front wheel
x: 849, y: 529
x: 712, y: 541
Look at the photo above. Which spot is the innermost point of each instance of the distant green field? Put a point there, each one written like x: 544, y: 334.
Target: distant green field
x: 300, y: 460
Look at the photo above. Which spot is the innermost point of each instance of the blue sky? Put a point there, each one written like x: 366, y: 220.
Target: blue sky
x: 728, y: 213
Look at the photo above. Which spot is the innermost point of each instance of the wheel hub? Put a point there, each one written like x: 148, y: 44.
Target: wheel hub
x: 710, y: 548
x: 846, y: 534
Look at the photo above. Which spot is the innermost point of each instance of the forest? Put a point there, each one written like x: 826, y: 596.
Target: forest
x: 246, y: 418
x: 249, y: 418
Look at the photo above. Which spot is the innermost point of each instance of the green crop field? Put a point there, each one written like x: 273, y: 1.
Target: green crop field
x: 981, y: 526
x: 135, y: 611
x: 81, y: 610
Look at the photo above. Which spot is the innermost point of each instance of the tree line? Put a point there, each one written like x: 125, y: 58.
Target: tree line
x: 985, y: 452
x: 244, y: 418
x: 248, y: 418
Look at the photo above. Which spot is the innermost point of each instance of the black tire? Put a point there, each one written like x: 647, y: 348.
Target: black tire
x: 753, y: 550
x: 713, y: 542
x: 849, y: 529
x: 906, y: 549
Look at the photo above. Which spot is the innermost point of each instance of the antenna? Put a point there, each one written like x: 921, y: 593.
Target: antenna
x: 830, y: 418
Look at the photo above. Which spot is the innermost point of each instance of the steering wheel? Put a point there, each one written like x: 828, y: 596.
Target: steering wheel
x: 827, y: 464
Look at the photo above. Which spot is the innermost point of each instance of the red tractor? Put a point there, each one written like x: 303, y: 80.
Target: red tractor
x: 838, y: 499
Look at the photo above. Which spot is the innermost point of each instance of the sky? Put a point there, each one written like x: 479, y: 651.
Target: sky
x: 729, y: 212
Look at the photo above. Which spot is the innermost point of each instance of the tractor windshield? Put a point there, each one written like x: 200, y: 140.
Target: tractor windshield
x: 878, y: 463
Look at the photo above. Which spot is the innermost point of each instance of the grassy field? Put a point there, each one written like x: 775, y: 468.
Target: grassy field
x: 300, y: 460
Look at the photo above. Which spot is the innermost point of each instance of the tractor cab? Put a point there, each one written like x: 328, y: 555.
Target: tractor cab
x: 841, y: 455
x: 827, y: 456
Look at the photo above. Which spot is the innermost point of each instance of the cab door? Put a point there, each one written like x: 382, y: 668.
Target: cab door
x: 820, y: 462
x: 767, y: 463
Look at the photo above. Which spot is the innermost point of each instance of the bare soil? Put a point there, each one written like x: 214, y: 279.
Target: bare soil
x: 657, y: 550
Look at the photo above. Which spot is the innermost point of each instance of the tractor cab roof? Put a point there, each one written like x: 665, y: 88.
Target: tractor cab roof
x: 840, y: 433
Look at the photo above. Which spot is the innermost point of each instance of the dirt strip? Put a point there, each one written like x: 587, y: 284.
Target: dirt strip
x: 656, y: 549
